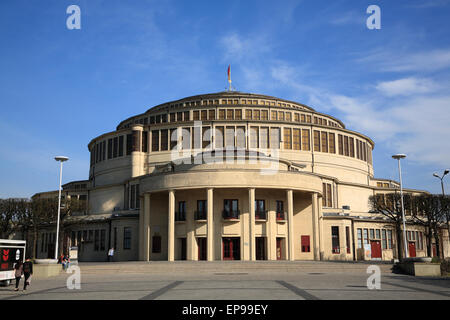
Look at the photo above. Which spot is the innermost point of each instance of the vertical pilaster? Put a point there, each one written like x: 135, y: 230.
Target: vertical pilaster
x: 251, y: 209
x: 210, y: 225
x: 171, y: 227
x: 321, y: 231
x: 271, y: 233
x: 290, y: 210
x: 146, y: 228
x: 315, y: 225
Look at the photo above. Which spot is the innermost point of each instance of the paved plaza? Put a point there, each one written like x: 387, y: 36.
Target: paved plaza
x: 260, y: 280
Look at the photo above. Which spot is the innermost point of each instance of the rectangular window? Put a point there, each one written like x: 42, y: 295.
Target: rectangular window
x: 186, y: 138
x: 260, y: 210
x: 352, y: 147
x: 173, y: 138
x: 115, y: 146
x: 335, y: 239
x: 389, y: 238
x: 264, y: 138
x: 218, y: 137
x: 206, y: 137
x: 221, y: 114
x: 377, y: 234
x: 264, y: 115
x: 360, y: 239
x: 305, y: 140
x: 372, y: 234
x: 346, y: 146
x: 324, y: 137
x: 280, y: 210
x: 329, y: 197
x: 316, y: 140
x: 230, y: 209
x: 331, y: 143
x: 287, y: 138
x: 366, y: 236
x: 303, y: 118
x: 296, y: 117
x: 254, y: 135
x: 281, y: 115
x: 110, y: 148
x: 204, y: 115
x: 172, y: 117
x: 347, y: 239
x: 340, y: 145
x: 126, y: 238
x: 256, y: 114
x: 120, y: 146
x: 275, y: 138
x: 156, y: 244
x: 296, y: 139
x: 196, y: 133
x: 238, y: 114
x: 96, y: 240
x: 230, y: 114
x: 305, y: 244
x: 186, y: 115
x: 308, y: 119
x: 273, y: 115
x: 248, y: 114
x: 164, y: 139
x: 383, y: 239
x: 196, y: 115
x: 288, y: 116
x: 229, y: 137
x: 240, y: 137
x: 144, y: 141
x: 212, y: 114
x: 357, y: 149
x: 155, y: 140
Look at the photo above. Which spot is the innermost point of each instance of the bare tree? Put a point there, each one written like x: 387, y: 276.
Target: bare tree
x: 389, y: 206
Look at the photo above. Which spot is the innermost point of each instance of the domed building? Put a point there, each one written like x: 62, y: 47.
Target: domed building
x: 232, y: 176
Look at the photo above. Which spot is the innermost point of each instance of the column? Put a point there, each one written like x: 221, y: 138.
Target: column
x: 145, y: 240
x: 171, y: 229
x: 321, y: 231
x: 190, y: 228
x: 290, y: 210
x: 141, y: 231
x: 137, y: 165
x: 251, y: 209
x: 315, y: 225
x: 210, y: 226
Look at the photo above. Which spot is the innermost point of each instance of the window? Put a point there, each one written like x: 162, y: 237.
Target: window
x: 264, y: 115
x: 196, y: 115
x: 256, y: 115
x: 173, y: 138
x: 201, y: 212
x: 230, y: 209
x: 248, y: 114
x: 372, y: 234
x: 172, y: 117
x: 305, y: 244
x: 110, y: 148
x: 347, y: 239
x: 196, y: 137
x: 287, y: 138
x: 305, y: 140
x: 327, y: 200
x: 155, y: 140
x: 240, y: 137
x: 221, y: 114
x: 238, y: 114
x: 164, y: 140
x: 264, y: 137
x: 346, y: 146
x: 229, y: 137
x: 340, y: 145
x: 204, y: 115
x: 115, y: 146
x: 273, y: 115
x: 212, y: 114
x: 129, y: 144
x: 281, y: 115
x: 275, y: 138
x: 219, y: 137
x: 332, y: 148
x: 377, y: 234
x: 308, y: 119
x: 352, y: 147
x: 156, y: 244
x: 230, y: 114
x: 280, y: 210
x: 260, y: 209
x: 206, y: 137
x: 120, y: 147
x: 180, y: 215
x: 316, y: 140
x: 186, y: 138
x: 335, y: 239
x: 254, y: 133
x: 389, y: 238
x: 324, y: 145
x: 296, y: 117
x: 383, y: 239
x: 360, y: 239
x: 126, y: 238
x: 366, y: 236
x: 296, y: 139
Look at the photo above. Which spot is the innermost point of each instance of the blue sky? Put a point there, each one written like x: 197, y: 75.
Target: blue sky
x: 60, y: 88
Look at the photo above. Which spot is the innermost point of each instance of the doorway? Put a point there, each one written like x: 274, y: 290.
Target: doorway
x: 260, y: 248
x: 231, y: 248
x: 201, y: 243
x: 375, y: 246
x: 412, y: 249
x: 280, y: 248
x: 183, y: 248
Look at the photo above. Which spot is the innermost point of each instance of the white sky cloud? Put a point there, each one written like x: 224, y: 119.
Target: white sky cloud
x: 407, y: 86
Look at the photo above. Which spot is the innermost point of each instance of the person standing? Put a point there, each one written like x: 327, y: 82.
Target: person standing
x: 111, y: 254
x: 27, y: 271
x: 18, y: 272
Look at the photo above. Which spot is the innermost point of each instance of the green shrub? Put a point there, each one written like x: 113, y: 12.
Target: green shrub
x: 435, y: 260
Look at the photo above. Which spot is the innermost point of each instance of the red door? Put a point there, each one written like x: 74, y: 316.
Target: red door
x: 201, y: 248
x: 434, y: 250
x: 279, y: 249
x: 231, y: 249
x: 412, y: 249
x: 375, y: 246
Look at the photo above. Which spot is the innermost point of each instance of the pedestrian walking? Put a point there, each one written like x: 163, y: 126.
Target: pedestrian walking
x: 27, y: 271
x: 111, y: 254
x: 18, y: 272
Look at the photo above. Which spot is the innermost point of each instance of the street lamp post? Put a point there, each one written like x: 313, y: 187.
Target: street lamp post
x: 398, y: 157
x: 446, y: 171
x: 61, y: 159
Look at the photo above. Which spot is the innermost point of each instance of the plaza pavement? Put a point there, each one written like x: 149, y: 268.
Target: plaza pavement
x: 230, y: 280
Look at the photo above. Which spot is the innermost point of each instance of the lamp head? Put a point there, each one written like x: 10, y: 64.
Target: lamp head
x: 61, y: 158
x: 436, y: 175
x: 446, y: 171
x: 399, y: 156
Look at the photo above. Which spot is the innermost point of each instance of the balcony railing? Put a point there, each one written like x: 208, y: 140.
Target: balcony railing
x: 180, y: 216
x: 281, y: 215
x: 261, y: 215
x: 231, y: 214
x: 200, y: 215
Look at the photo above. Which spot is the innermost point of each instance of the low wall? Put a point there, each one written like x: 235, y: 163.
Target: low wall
x: 421, y: 269
x: 42, y: 271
